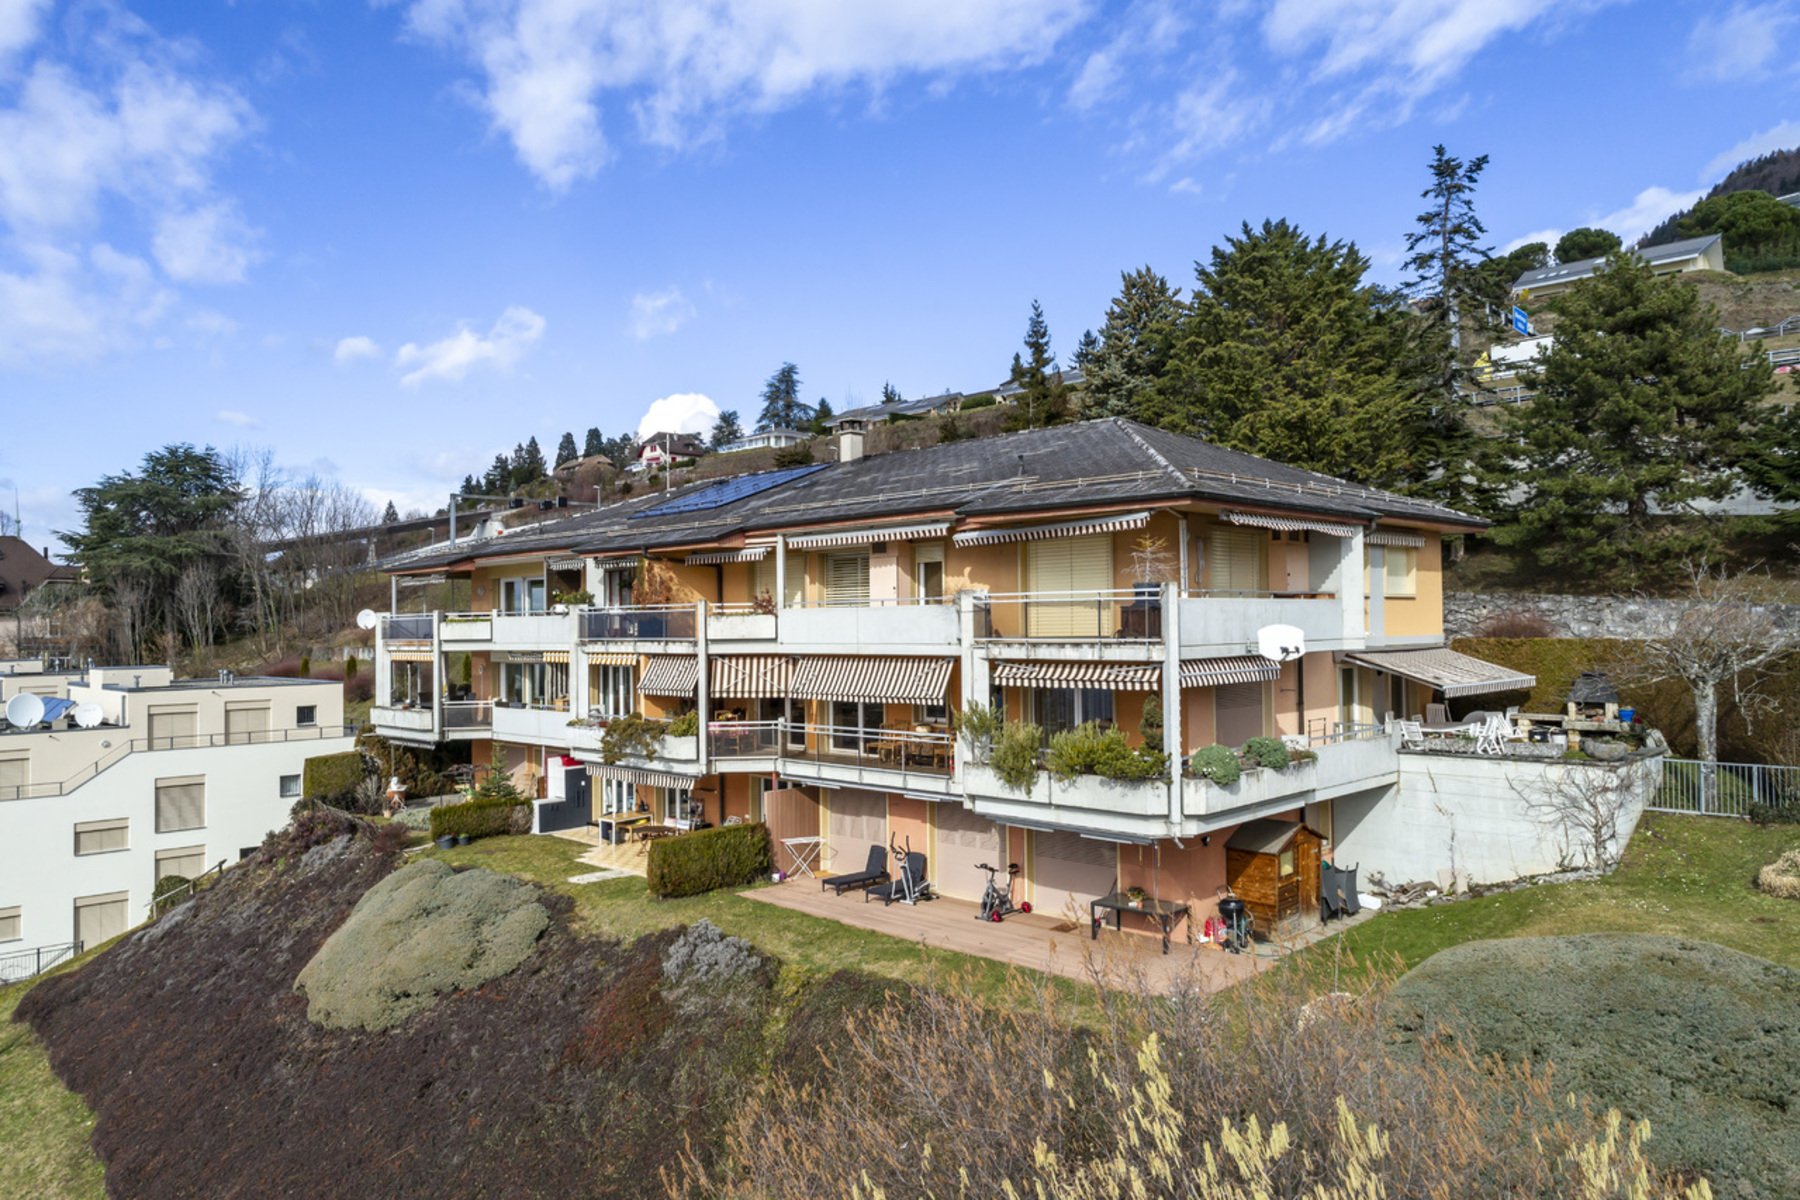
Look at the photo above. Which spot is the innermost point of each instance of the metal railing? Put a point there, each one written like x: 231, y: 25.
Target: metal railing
x: 186, y: 889
x: 1123, y: 614
x: 468, y: 714
x: 872, y: 602
x: 893, y: 751
x: 408, y: 627
x: 34, y: 791
x: 23, y: 964
x: 655, y: 622
x: 1719, y: 789
x: 1322, y: 731
x: 1248, y: 594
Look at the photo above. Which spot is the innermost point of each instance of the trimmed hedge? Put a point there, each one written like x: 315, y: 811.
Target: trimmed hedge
x: 332, y: 774
x: 479, y: 818
x: 708, y: 859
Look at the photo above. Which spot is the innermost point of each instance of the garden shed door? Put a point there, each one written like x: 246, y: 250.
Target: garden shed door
x: 1067, y: 868
x: 858, y: 820
x: 964, y: 839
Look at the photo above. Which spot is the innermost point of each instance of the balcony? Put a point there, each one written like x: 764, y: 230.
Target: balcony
x: 467, y: 628
x: 739, y: 623
x: 1354, y: 759
x: 1129, y: 615
x: 675, y: 754
x: 407, y: 627
x: 891, y: 759
x: 529, y: 631
x: 540, y: 724
x: 408, y: 723
x: 648, y: 622
x: 881, y: 626
x: 1214, y: 623
x: 1138, y: 808
x: 464, y: 719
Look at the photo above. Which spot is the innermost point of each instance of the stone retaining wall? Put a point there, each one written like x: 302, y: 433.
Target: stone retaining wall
x: 1630, y: 617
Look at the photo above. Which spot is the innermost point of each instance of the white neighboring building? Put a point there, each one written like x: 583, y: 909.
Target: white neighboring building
x: 180, y: 776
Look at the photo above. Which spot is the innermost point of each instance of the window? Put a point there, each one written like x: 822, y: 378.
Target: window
x: 290, y: 787
x: 15, y: 772
x: 847, y: 579
x: 1237, y: 561
x: 12, y: 925
x: 520, y: 596
x: 180, y: 803
x: 796, y: 716
x: 1287, y: 862
x: 928, y: 571
x: 172, y: 728
x: 99, y: 918
x: 934, y: 714
x: 617, y: 797
x: 1073, y: 570
x: 306, y: 715
x: 102, y: 837
x: 246, y: 724
x: 611, y: 691
x: 851, y: 722
x: 1402, y: 571
x: 795, y: 571
x: 189, y: 862
x: 1058, y: 709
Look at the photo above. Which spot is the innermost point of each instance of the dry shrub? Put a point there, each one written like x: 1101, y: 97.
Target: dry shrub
x: 1782, y: 877
x: 1260, y: 1091
x: 1516, y: 623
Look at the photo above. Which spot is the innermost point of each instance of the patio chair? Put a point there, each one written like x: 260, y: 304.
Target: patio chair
x: 1412, y: 735
x: 909, y: 888
x: 874, y: 871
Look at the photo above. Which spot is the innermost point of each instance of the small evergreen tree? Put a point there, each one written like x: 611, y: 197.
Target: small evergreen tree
x: 390, y: 514
x: 890, y: 394
x: 726, y: 429
x: 1444, y: 252
x: 1133, y: 347
x: 1586, y: 242
x: 595, y: 444
x: 1042, y: 399
x: 1086, y: 348
x: 498, y: 481
x: 799, y: 454
x: 565, y: 450
x: 821, y: 415
x: 782, y: 407
x: 1773, y: 467
x: 530, y: 464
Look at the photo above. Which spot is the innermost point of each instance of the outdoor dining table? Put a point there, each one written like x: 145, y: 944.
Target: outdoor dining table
x: 1164, y: 912
x: 616, y: 827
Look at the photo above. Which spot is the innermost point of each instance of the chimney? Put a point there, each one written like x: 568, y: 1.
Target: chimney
x: 850, y: 441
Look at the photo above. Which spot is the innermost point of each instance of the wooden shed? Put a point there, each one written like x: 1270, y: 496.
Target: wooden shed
x: 1274, y: 866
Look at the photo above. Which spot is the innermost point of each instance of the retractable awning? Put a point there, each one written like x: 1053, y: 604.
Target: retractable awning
x: 714, y: 558
x: 1113, y: 677
x: 572, y: 562
x: 1450, y: 671
x: 670, y: 675
x: 1393, y: 537
x: 612, y: 658
x: 863, y: 537
x: 1062, y: 529
x: 873, y: 680
x: 1291, y: 524
x: 1218, y: 672
x: 423, y: 656
x: 752, y: 676
x: 643, y: 776
x: 616, y: 564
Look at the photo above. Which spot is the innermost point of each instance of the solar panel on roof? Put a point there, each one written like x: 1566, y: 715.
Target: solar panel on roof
x: 727, y: 491
x: 55, y: 707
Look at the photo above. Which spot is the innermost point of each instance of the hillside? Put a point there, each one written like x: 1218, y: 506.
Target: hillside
x: 1777, y: 173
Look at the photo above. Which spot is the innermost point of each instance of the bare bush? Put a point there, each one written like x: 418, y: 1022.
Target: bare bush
x: 1585, y: 806
x: 1516, y: 623
x: 1782, y: 877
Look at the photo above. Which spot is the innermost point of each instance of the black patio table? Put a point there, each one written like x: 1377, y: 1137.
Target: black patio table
x: 1164, y: 912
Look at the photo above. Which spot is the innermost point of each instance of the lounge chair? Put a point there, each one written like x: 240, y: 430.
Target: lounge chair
x: 909, y: 887
x: 874, y: 872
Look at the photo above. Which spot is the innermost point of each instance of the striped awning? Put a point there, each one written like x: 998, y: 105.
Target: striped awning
x: 1062, y: 529
x: 1451, y: 672
x: 1217, y: 672
x: 612, y: 658
x: 873, y: 680
x: 1114, y: 677
x: 556, y: 656
x: 752, y: 676
x: 572, y: 562
x: 671, y: 675
x: 1291, y: 524
x: 1391, y: 537
x: 643, y: 776
x: 616, y: 564
x: 409, y: 656
x: 713, y: 558
x: 866, y: 536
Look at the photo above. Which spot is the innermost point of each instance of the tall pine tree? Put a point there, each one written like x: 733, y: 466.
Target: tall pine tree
x: 595, y: 444
x: 1041, y: 399
x: 890, y: 394
x: 782, y: 407
x: 726, y: 429
x: 565, y: 450
x: 1134, y: 343
x: 531, y: 467
x: 1641, y: 409
x: 1445, y: 252
x: 390, y: 514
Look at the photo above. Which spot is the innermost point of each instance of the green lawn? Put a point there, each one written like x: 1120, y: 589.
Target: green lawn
x: 43, y: 1126
x: 1682, y: 876
x: 625, y: 909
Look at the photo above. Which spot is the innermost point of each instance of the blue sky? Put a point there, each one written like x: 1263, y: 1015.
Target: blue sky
x: 390, y: 240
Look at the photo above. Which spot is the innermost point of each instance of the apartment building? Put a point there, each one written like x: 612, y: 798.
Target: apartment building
x: 827, y: 623
x: 130, y: 775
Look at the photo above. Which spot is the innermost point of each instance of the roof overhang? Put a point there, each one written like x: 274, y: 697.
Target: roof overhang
x: 1450, y: 671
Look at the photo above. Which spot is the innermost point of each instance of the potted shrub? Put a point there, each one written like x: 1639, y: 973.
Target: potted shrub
x: 1135, y: 896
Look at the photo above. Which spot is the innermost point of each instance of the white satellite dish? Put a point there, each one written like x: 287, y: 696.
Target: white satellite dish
x: 365, y: 619
x: 1280, y: 643
x: 25, y: 710
x: 88, y: 715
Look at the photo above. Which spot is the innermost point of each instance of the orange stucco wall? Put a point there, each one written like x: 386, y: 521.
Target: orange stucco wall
x: 1197, y: 728
x: 1170, y: 872
x: 1421, y: 615
x: 909, y: 818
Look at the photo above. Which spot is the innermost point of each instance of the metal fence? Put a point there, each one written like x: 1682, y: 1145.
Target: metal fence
x: 23, y: 964
x: 1724, y: 789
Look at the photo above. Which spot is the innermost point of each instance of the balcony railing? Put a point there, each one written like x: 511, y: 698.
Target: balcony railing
x: 900, y: 751
x: 407, y: 627
x: 1130, y: 615
x: 468, y: 714
x: 651, y: 622
x: 192, y: 741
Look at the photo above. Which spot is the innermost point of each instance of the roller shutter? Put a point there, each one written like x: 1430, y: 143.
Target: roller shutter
x: 1238, y: 712
x: 98, y: 918
x: 180, y: 803
x: 1238, y: 558
x: 1068, y: 870
x: 246, y: 725
x: 172, y: 728
x: 1077, y: 564
x: 187, y: 863
x: 847, y: 579
x: 964, y: 839
x: 15, y: 772
x: 858, y: 820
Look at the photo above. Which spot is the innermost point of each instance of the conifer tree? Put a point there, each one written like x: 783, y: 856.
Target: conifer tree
x: 782, y: 407
x: 1042, y: 399
x: 1133, y: 347
x: 1445, y: 251
x: 595, y: 444
x: 1641, y: 408
x: 821, y: 415
x: 565, y: 450
x: 1086, y: 348
x: 390, y: 514
x: 890, y: 394
x: 531, y: 463
x: 726, y: 429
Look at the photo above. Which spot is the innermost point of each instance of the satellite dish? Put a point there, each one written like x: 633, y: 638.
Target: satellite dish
x: 1280, y: 643
x: 25, y: 710
x: 88, y: 715
x: 365, y: 619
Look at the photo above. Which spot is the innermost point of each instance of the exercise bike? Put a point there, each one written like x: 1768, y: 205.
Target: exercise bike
x: 996, y: 901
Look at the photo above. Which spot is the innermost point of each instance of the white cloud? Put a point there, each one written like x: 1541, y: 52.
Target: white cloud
x: 1739, y: 44
x: 208, y: 244
x: 683, y: 412
x: 654, y: 314
x: 61, y: 303
x: 1419, y: 43
x: 352, y: 348
x: 450, y: 359
x: 19, y: 25
x: 1547, y: 236
x: 1206, y: 117
x: 682, y: 69
x: 230, y: 416
x: 212, y: 324
x: 1646, y: 211
x: 1783, y: 136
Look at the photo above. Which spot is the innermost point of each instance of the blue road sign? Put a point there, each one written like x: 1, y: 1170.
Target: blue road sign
x: 1521, y: 321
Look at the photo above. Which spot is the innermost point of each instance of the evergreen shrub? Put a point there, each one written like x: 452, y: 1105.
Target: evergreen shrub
x: 1217, y: 763
x: 330, y: 775
x: 1267, y: 752
x: 708, y: 859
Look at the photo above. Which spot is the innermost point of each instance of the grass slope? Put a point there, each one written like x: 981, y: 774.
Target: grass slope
x: 44, y: 1127
x: 1688, y: 877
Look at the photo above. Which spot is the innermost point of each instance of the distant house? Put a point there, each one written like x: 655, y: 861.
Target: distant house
x: 877, y: 414
x: 24, y: 569
x: 1072, y: 377
x: 1506, y: 359
x: 567, y: 471
x: 1690, y: 254
x: 660, y: 449
x: 771, y: 439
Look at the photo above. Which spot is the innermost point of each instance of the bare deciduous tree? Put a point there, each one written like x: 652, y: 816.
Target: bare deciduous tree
x: 197, y: 600
x: 1584, y: 806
